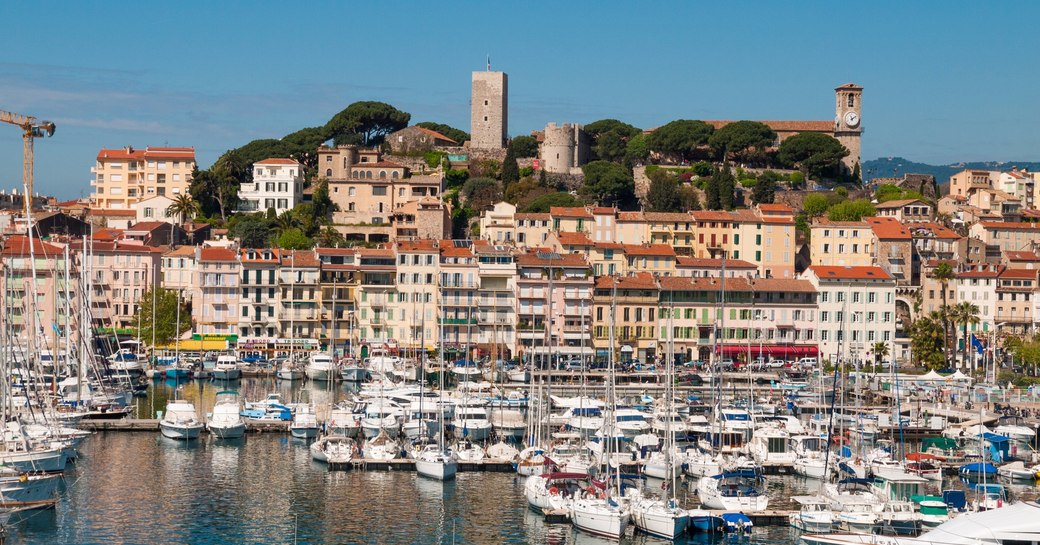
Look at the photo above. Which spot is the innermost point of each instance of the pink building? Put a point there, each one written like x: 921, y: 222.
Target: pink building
x: 119, y: 273
x: 54, y: 288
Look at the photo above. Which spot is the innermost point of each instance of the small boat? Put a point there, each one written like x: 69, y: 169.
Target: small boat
x: 226, y: 421
x: 503, y: 452
x: 436, y: 463
x: 978, y: 470
x: 320, y: 366
x: 933, y: 510
x: 600, y: 515
x: 737, y: 523
x: 334, y: 450
x: 226, y: 368
x: 353, y: 372
x: 660, y: 518
x: 304, y: 423
x: 180, y: 421
x: 1017, y: 471
x: 381, y: 447
x: 814, y: 514
x: 733, y: 491
x: 288, y: 371
x: 467, y: 451
x: 270, y: 409
x: 28, y: 491
x: 704, y: 521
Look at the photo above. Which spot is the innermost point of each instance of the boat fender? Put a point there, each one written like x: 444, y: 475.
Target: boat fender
x: 591, y: 491
x: 554, y: 491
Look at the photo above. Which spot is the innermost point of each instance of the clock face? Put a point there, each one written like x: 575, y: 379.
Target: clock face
x: 851, y: 119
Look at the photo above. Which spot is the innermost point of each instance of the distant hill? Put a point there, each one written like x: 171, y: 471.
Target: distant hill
x: 888, y: 167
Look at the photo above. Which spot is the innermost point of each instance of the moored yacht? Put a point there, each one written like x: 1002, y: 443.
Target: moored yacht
x: 180, y: 421
x: 226, y: 421
x: 320, y: 366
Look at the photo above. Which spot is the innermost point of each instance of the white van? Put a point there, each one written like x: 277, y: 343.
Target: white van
x: 807, y: 362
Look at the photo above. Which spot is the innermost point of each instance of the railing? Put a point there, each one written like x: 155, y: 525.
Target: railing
x: 458, y: 321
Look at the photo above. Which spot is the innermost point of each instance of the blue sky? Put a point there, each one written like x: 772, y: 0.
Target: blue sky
x: 944, y: 81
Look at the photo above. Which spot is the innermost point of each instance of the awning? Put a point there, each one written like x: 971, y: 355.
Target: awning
x: 195, y: 345
x: 770, y: 350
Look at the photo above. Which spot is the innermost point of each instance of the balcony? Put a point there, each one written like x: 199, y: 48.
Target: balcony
x: 494, y: 320
x: 458, y: 321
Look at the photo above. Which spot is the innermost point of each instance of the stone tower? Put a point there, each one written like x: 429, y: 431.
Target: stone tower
x: 848, y: 123
x: 564, y: 148
x: 489, y: 110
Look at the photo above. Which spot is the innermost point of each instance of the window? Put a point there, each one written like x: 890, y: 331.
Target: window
x: 852, y: 100
x: 379, y: 191
x: 352, y: 191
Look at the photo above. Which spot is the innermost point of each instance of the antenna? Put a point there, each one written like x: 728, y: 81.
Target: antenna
x: 489, y: 63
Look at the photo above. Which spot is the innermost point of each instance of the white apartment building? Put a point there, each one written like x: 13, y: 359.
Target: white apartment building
x: 277, y: 183
x: 122, y: 177
x: 214, y: 305
x: 155, y: 209
x: 856, y: 309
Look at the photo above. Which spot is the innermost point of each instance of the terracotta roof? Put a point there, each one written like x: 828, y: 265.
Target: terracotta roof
x: 849, y: 273
x: 980, y: 272
x: 667, y: 216
x: 181, y: 251
x: 648, y: 249
x: 149, y: 226
x: 106, y: 234
x: 1009, y: 225
x: 712, y: 215
x: 935, y: 230
x: 434, y: 134
x: 336, y: 251
x: 1021, y: 255
x: 961, y: 198
x: 299, y: 258
x: 608, y: 245
x: 419, y: 245
x: 775, y: 207
x: 124, y: 212
x: 532, y: 216
x: 537, y: 258
x: 786, y: 285
x: 602, y: 210
x: 707, y: 263
x: 278, y: 161
x: 637, y: 281
x: 147, y: 153
x: 630, y: 216
x: 217, y: 254
x: 887, y: 228
x: 19, y: 246
x: 899, y: 203
x: 1019, y: 273
x: 569, y: 212
x: 785, y: 220
x: 259, y: 253
x: 573, y: 239
x: 784, y: 126
x: 109, y: 246
x: 375, y: 252
x: 824, y: 222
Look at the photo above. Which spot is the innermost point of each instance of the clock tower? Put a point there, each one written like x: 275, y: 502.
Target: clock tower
x: 848, y: 125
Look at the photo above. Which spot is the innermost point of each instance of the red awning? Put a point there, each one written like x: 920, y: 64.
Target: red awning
x: 770, y: 350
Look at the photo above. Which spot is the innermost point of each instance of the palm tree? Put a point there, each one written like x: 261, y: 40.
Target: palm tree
x: 965, y: 313
x: 880, y: 352
x: 287, y: 220
x: 184, y: 207
x: 944, y: 273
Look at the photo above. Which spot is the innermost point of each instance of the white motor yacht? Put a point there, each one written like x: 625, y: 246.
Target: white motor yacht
x: 226, y: 421
x: 320, y: 366
x: 304, y: 423
x: 660, y: 518
x: 180, y: 421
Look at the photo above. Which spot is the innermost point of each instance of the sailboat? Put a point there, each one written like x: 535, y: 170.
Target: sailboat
x: 601, y: 513
x: 663, y: 518
x: 436, y: 461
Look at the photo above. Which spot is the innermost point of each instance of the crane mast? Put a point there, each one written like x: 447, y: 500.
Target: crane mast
x: 31, y: 129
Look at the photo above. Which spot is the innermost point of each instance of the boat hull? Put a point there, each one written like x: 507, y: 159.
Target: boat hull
x: 228, y: 431
x: 596, y: 517
x: 442, y: 470
x: 40, y: 461
x: 29, y: 491
x: 227, y: 374
x: 182, y: 432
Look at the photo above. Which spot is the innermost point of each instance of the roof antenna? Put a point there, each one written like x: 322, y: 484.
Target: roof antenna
x: 489, y: 63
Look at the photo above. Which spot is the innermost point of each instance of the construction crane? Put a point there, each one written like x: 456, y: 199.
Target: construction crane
x: 31, y: 129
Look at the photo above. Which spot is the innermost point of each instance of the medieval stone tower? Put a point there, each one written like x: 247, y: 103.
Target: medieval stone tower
x: 848, y: 123
x: 564, y: 148
x: 489, y: 110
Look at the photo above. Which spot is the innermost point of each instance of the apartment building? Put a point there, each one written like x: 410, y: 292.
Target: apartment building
x: 215, y: 291
x: 459, y: 284
x: 496, y: 301
x: 277, y: 184
x: 965, y: 182
x: 260, y: 294
x: 179, y: 266
x: 553, y: 308
x: 299, y: 294
x: 840, y: 243
x: 905, y: 210
x: 376, y: 299
x: 1000, y: 237
x: 856, y: 310
x: 418, y: 291
x: 339, y: 286
x: 40, y: 286
x: 120, y: 273
x: 1016, y: 290
x: 631, y: 304
x: 122, y: 177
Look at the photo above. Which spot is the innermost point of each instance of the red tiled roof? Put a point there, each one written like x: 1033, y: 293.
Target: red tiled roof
x: 667, y: 216
x: 1021, y: 255
x: 1019, y: 273
x: 849, y: 273
x: 712, y: 215
x: 648, y: 249
x: 275, y: 254
x: 435, y: 134
x: 277, y: 161
x: 1009, y: 225
x: 535, y: 258
x: 419, y: 245
x: 630, y: 216
x: 375, y: 252
x: 148, y: 153
x: 824, y: 222
x: 148, y: 226
x: 776, y: 208
x: 887, y: 228
x: 787, y: 285
x: 922, y: 230
x: 107, y: 234
x: 637, y: 281
x: 573, y: 239
x: 602, y: 210
x: 299, y: 258
x: 112, y: 212
x: 707, y: 263
x: 899, y: 203
x: 569, y: 212
x: 217, y: 254
x: 532, y: 216
x: 19, y: 246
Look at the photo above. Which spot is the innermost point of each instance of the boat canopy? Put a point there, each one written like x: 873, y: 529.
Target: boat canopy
x: 942, y: 443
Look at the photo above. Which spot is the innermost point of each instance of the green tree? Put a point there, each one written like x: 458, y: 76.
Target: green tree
x: 609, y: 184
x: 610, y: 139
x: 366, y: 123
x: 890, y: 192
x: 663, y: 193
x: 183, y: 207
x: 851, y: 210
x: 293, y: 239
x: 542, y: 204
x: 944, y: 273
x: 680, y: 139
x: 718, y: 191
x: 285, y: 221
x: 454, y: 178
x: 481, y: 193
x: 926, y: 341
x: 163, y: 328
x: 322, y: 201
x: 637, y: 150
x: 712, y: 194
x: 510, y: 170
x: 765, y: 189
x: 815, y: 154
x: 965, y: 313
x: 329, y: 237
x: 880, y: 349
x: 251, y: 230
x: 524, y: 146
x: 815, y: 205
x: 742, y: 139
x: 458, y: 135
x: 689, y: 199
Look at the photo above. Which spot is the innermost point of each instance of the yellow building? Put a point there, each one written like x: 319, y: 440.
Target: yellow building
x: 840, y: 243
x: 122, y: 177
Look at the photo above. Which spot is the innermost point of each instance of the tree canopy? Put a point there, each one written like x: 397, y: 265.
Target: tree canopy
x: 742, y: 138
x: 366, y: 123
x: 851, y: 210
x: 718, y: 191
x: 524, y: 146
x: 542, y: 204
x: 609, y: 184
x: 481, y: 193
x: 680, y: 138
x: 164, y: 325
x: 610, y: 139
x: 457, y: 135
x: 252, y: 230
x: 816, y: 154
x: 293, y: 239
x: 765, y: 190
x: 890, y: 192
x: 663, y: 193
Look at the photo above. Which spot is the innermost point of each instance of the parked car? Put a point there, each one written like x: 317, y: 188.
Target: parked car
x: 776, y: 364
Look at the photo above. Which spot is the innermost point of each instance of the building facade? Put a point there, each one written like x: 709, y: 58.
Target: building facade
x: 122, y: 177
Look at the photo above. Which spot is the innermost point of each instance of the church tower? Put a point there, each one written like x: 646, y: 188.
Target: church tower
x: 848, y: 123
x: 489, y: 110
